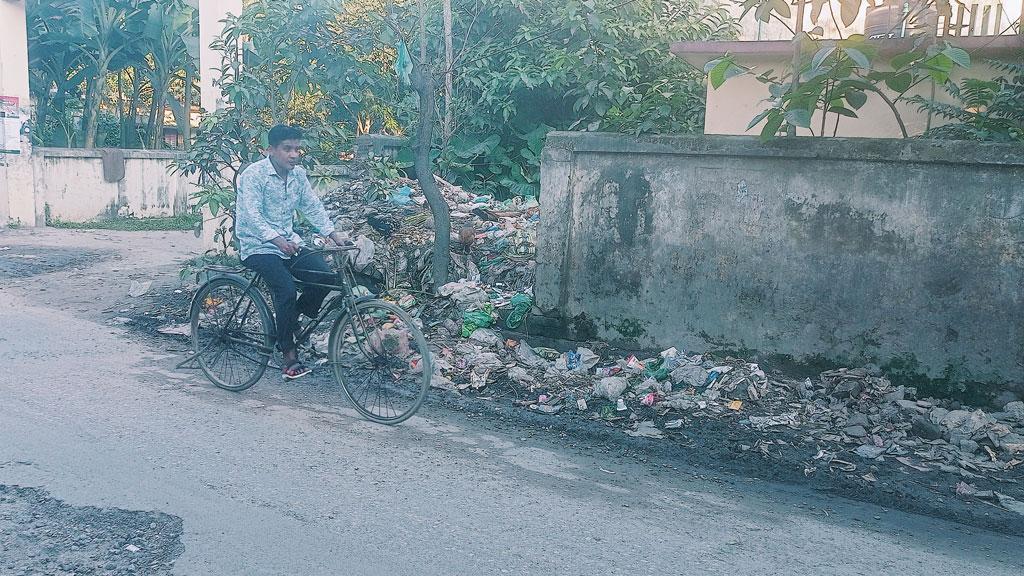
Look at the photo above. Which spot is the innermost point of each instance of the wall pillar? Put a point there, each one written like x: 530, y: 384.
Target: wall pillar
x: 17, y: 190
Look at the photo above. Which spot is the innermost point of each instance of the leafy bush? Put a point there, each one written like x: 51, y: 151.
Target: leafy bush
x: 593, y: 65
x: 986, y: 110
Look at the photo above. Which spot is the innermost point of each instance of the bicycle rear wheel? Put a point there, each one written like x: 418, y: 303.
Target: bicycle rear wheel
x: 381, y: 359
x: 231, y: 333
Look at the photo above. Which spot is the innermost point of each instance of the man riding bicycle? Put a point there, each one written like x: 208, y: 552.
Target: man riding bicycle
x: 270, y: 191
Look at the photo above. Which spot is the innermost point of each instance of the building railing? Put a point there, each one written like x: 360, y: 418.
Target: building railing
x: 902, y: 18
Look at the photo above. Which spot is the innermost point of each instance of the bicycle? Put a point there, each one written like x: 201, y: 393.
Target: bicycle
x: 377, y: 352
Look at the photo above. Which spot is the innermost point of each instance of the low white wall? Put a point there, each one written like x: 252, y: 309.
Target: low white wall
x: 69, y: 183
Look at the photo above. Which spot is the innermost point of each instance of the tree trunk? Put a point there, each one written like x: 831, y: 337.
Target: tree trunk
x: 797, y: 56
x: 151, y: 124
x: 159, y: 107
x: 89, y: 115
x: 60, y: 106
x: 42, y: 110
x: 423, y: 83
x: 186, y: 127
x: 92, y: 103
x: 132, y: 134
x: 120, y: 108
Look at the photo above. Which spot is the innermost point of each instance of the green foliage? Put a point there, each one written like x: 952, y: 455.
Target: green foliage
x: 194, y: 266
x: 331, y: 67
x: 849, y: 10
x: 985, y: 110
x: 180, y: 222
x: 386, y: 168
x: 532, y: 67
x: 220, y: 201
x: 76, y: 48
x: 833, y: 78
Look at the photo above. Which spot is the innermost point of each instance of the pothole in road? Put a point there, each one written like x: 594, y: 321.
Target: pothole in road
x: 40, y: 534
x: 24, y: 261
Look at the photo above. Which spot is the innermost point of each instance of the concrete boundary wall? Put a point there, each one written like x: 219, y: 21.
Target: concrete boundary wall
x: 905, y: 253
x: 71, y: 183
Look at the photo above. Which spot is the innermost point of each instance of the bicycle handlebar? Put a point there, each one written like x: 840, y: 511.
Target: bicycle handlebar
x: 345, y: 248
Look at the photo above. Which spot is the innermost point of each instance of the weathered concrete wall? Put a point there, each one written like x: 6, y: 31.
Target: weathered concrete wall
x: 905, y: 253
x: 71, y: 183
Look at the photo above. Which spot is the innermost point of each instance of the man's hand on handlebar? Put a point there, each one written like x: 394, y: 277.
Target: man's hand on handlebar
x: 288, y: 247
x: 338, y: 239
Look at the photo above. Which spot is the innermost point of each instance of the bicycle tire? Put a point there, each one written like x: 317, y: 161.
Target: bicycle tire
x: 380, y: 342
x: 220, y: 349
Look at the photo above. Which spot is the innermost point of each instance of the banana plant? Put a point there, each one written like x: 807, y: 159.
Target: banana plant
x: 168, y: 34
x: 106, y: 29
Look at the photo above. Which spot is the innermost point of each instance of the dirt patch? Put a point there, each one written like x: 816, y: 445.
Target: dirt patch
x: 25, y: 261
x: 40, y: 534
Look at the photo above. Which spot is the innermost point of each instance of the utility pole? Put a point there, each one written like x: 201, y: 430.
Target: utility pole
x: 797, y: 53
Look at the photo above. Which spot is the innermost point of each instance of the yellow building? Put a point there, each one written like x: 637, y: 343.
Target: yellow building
x: 986, y: 30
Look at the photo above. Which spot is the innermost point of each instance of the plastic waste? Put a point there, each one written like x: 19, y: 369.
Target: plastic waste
x: 611, y: 387
x: 402, y: 196
x: 607, y: 371
x: 528, y: 357
x: 365, y: 254
x: 485, y: 336
x: 521, y: 304
x: 473, y: 319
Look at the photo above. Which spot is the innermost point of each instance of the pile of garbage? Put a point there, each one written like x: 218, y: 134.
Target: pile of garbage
x: 493, y: 242
x: 852, y: 411
x: 856, y: 419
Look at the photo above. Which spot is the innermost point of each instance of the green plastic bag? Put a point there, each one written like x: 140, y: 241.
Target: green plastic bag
x: 473, y: 319
x: 521, y: 304
x: 657, y: 370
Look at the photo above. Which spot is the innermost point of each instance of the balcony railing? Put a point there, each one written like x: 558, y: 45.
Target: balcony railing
x: 899, y: 19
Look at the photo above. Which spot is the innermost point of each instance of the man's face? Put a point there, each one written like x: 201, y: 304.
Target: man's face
x: 287, y: 154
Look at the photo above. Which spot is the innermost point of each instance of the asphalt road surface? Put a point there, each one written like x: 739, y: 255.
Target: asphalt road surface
x: 112, y: 462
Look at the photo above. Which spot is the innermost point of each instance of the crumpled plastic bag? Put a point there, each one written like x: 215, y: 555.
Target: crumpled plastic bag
x: 465, y: 293
x: 473, y: 319
x: 485, y: 337
x: 365, y: 254
x: 690, y: 375
x: 521, y: 304
x: 529, y: 357
x: 611, y: 387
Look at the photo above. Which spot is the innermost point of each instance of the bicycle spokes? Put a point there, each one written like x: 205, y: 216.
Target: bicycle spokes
x: 379, y: 356
x: 231, y: 334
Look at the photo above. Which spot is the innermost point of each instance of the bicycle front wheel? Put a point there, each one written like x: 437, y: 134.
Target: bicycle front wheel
x: 231, y: 333
x: 381, y: 360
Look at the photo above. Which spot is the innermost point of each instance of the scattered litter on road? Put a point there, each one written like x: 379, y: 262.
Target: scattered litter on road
x: 176, y: 330
x: 646, y: 429
x: 139, y: 288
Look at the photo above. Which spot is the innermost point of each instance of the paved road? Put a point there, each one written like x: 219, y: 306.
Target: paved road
x: 284, y: 480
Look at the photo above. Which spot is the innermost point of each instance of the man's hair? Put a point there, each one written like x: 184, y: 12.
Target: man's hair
x: 283, y: 132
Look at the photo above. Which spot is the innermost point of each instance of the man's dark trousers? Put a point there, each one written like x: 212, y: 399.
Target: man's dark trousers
x: 280, y: 275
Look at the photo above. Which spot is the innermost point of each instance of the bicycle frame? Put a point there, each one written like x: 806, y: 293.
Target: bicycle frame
x: 343, y: 278
x: 377, y: 351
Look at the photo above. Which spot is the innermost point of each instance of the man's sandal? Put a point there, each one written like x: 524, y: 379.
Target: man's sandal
x: 295, y: 370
